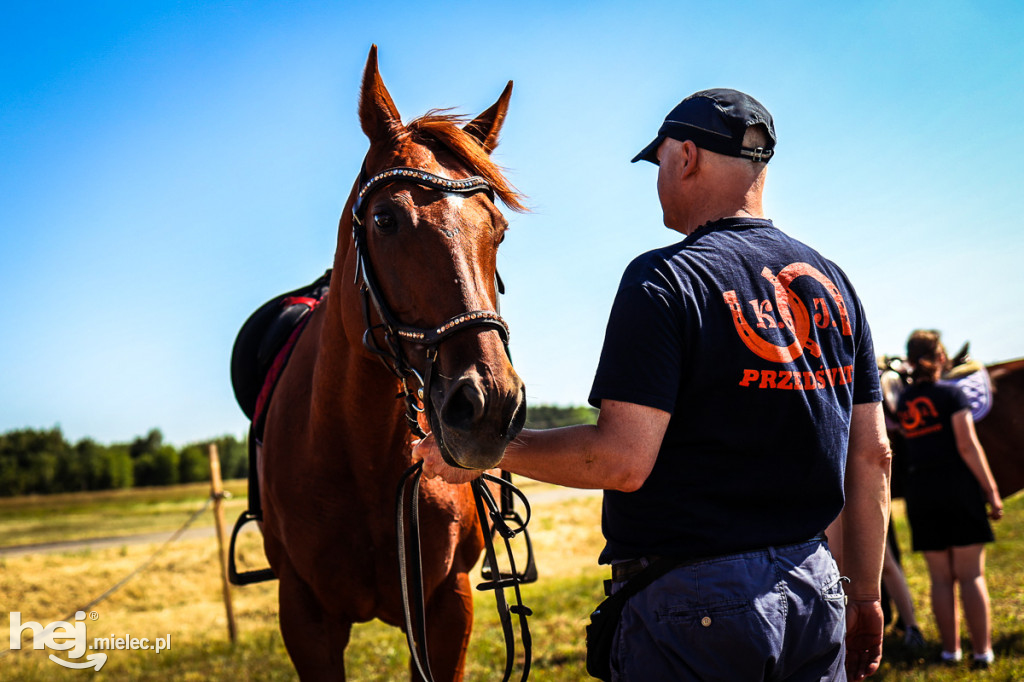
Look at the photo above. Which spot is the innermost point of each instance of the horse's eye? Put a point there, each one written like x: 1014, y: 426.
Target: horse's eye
x: 385, y: 221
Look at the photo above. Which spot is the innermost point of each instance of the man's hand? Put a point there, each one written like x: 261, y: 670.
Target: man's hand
x: 864, y: 626
x: 434, y: 465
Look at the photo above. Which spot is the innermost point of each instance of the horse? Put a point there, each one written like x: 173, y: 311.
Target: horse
x: 411, y: 310
x: 1002, y: 432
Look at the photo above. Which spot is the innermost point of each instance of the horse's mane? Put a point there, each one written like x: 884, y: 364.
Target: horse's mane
x: 444, y: 127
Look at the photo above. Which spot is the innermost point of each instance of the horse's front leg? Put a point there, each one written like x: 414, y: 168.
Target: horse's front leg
x: 449, y: 624
x: 315, y: 640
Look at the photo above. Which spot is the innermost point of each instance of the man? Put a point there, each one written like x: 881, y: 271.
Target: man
x: 740, y: 412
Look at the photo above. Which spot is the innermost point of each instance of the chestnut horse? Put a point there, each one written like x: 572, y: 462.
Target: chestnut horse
x: 415, y: 285
x: 1002, y: 432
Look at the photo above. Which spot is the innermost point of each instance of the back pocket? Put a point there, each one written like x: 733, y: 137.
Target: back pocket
x: 703, y: 615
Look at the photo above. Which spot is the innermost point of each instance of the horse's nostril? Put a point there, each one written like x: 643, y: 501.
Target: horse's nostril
x: 464, y: 407
x: 517, y: 421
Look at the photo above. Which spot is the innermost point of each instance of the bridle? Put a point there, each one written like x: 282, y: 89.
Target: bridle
x: 393, y: 355
x: 503, y: 520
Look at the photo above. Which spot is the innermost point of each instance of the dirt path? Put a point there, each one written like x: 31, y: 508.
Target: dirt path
x: 103, y: 543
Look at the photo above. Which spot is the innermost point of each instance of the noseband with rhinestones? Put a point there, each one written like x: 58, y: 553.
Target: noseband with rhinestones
x: 393, y: 355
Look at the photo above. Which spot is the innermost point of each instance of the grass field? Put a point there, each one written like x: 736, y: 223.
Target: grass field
x: 179, y: 597
x: 81, y: 516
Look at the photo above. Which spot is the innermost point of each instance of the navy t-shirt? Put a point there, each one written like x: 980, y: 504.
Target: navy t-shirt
x: 925, y: 411
x: 759, y: 348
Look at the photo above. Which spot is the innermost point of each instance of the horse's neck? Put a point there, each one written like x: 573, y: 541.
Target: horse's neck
x: 1009, y: 367
x: 353, y: 397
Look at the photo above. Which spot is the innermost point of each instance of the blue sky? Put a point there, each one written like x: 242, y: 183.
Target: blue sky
x: 166, y: 167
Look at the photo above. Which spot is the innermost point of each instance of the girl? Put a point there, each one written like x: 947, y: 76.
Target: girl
x: 948, y: 485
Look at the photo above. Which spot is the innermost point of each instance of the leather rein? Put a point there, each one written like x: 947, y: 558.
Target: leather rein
x: 494, y: 518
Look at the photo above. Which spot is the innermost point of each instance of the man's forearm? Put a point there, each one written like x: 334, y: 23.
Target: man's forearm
x: 866, y: 514
x: 617, y: 453
x: 570, y: 456
x: 865, y: 521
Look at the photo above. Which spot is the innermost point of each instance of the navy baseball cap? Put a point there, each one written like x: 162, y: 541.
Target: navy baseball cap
x: 715, y: 120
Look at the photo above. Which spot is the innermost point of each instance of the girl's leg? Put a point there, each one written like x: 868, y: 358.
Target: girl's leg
x: 969, y: 571
x: 896, y: 584
x: 940, y: 567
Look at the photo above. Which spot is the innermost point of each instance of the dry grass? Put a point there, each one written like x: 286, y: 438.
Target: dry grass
x: 180, y: 596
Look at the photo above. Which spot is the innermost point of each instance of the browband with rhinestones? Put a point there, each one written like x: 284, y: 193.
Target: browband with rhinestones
x: 470, y: 184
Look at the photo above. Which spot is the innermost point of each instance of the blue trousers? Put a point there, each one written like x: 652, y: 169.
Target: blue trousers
x: 772, y: 614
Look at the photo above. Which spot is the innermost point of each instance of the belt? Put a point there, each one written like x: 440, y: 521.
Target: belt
x: 624, y: 570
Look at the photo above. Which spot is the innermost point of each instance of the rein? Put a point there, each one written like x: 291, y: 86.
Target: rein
x: 413, y: 595
x: 494, y: 519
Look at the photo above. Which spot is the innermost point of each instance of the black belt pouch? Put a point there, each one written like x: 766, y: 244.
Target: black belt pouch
x: 605, y: 618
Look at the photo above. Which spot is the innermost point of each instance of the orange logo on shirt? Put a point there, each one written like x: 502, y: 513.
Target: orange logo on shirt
x: 916, y: 413
x: 794, y: 313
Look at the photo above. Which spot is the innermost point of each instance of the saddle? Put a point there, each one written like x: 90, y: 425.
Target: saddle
x: 264, y: 344
x: 976, y: 384
x: 262, y: 349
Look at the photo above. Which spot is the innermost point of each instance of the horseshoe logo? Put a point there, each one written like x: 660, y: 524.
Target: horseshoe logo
x: 796, y: 317
x: 916, y: 412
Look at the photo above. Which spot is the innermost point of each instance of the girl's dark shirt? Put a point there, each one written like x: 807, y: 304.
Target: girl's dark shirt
x: 925, y: 412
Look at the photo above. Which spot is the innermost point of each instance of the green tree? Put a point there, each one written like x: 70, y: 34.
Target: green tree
x: 157, y: 468
x: 194, y: 465
x: 150, y: 444
x: 234, y: 457
x: 90, y: 459
x: 118, y: 471
x: 552, y: 416
x: 30, y: 461
x: 10, y: 479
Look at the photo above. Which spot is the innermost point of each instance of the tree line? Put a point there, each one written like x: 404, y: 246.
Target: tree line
x: 43, y: 461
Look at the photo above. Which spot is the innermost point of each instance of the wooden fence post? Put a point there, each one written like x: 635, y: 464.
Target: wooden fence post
x: 217, y: 491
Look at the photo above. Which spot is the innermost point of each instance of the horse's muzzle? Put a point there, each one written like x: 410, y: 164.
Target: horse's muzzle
x: 477, y: 417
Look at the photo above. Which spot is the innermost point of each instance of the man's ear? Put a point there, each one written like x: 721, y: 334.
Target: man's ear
x: 689, y: 159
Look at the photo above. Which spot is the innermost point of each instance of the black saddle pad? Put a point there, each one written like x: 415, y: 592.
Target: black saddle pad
x: 263, y: 336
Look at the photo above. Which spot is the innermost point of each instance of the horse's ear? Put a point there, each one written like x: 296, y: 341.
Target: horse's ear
x: 487, y: 125
x: 377, y: 112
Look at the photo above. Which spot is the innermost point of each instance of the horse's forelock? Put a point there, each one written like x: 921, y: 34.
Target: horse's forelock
x: 445, y: 128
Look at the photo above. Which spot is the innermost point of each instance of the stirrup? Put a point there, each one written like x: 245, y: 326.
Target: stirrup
x: 246, y: 577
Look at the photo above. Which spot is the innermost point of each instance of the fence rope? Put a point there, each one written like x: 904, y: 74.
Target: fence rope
x: 140, y: 568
